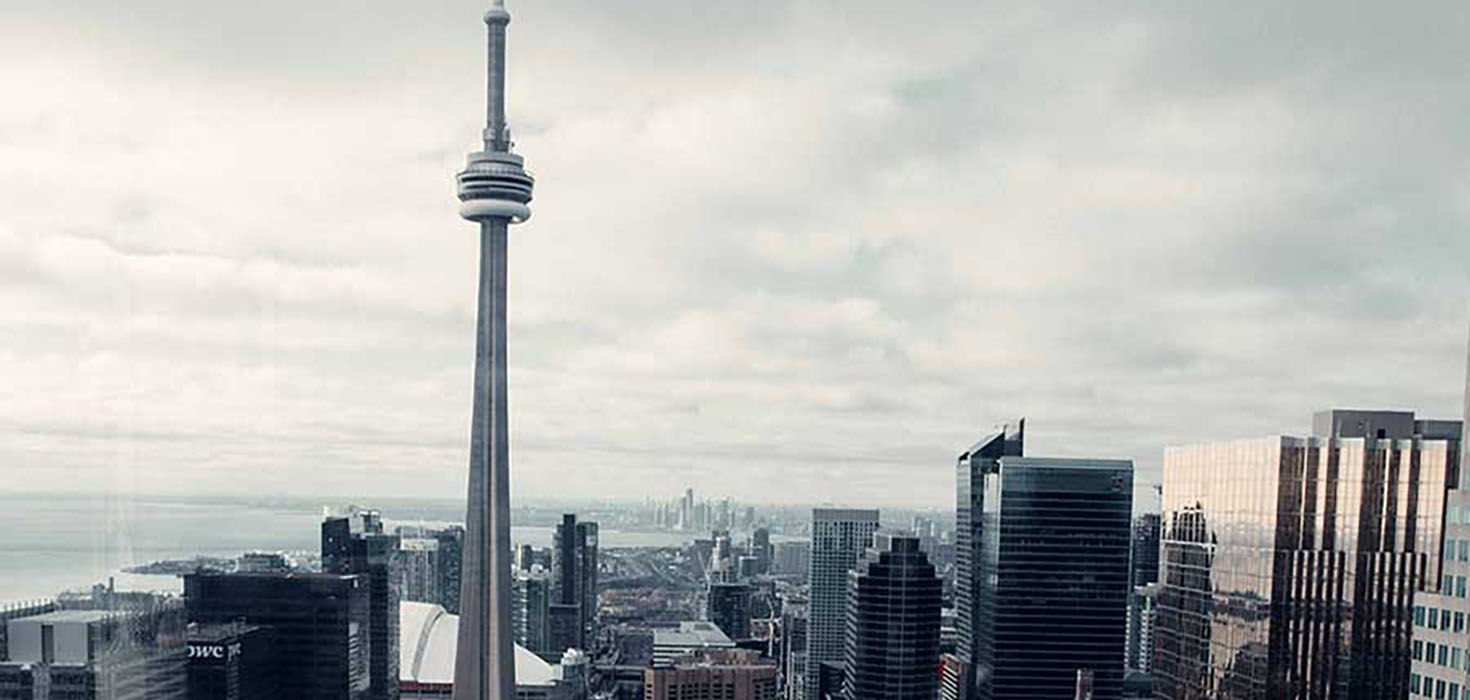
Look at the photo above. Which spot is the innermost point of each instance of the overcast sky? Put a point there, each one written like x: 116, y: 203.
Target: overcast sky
x: 785, y: 251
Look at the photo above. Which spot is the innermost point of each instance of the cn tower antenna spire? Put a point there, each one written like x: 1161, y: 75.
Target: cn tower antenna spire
x: 494, y: 192
x: 497, y: 133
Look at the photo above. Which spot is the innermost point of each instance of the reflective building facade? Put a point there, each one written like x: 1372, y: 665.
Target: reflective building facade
x: 1290, y: 565
x: 982, y: 458
x: 1054, y: 579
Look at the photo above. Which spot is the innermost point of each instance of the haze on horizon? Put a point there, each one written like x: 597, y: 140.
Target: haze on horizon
x: 781, y: 250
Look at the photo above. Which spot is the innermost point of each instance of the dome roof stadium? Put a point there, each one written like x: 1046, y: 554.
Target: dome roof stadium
x: 427, y: 637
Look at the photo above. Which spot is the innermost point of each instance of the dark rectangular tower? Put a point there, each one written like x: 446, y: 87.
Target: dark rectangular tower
x: 1053, y: 578
x: 355, y: 543
x: 319, y: 621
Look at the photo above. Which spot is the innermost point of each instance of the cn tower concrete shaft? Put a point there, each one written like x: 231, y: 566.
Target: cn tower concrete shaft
x: 494, y: 191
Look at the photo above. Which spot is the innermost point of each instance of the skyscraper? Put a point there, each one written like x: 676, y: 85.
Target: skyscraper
x: 1145, y: 566
x: 892, y: 646
x: 1291, y: 565
x: 531, y: 611
x: 1441, y: 625
x: 1141, y: 600
x: 450, y: 566
x: 760, y: 548
x: 494, y: 190
x: 320, y: 624
x: 728, y: 606
x: 1053, y: 593
x: 587, y: 563
x: 973, y: 465
x: 574, y: 562
x: 839, y: 537
x: 354, y: 543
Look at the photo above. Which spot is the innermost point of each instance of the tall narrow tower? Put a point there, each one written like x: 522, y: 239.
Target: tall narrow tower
x: 493, y: 192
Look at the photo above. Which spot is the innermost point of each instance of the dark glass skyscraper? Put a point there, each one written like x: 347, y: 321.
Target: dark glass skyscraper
x: 1053, y: 570
x: 982, y: 458
x: 1145, y: 566
x: 893, y: 602
x: 729, y: 608
x: 319, y: 621
x: 356, y: 544
x: 574, y: 583
x: 1291, y: 565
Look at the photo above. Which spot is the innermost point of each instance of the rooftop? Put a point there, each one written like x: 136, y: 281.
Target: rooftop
x: 692, y: 634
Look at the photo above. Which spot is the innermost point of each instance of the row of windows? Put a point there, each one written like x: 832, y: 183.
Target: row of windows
x: 1438, y: 619
x: 1440, y: 654
x: 1456, y: 549
x: 1452, y: 585
x: 1434, y: 688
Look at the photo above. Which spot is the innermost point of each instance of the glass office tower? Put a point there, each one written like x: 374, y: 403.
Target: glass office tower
x: 1053, y: 578
x: 1290, y: 565
x: 957, y: 675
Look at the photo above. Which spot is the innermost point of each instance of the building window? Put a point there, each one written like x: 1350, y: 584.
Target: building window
x: 1444, y: 655
x: 1413, y: 682
x: 1419, y: 615
x: 1433, y: 619
x: 1455, y: 658
x: 1444, y: 615
x: 1449, y: 548
x: 1459, y: 622
x: 1454, y: 691
x: 1464, y: 550
x: 1418, y: 650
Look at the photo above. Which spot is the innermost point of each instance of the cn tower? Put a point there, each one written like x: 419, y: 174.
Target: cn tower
x: 493, y: 192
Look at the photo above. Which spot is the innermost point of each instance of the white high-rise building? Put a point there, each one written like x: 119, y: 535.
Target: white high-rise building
x: 839, y: 538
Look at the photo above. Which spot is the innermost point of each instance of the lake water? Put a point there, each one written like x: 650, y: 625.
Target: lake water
x: 53, y: 543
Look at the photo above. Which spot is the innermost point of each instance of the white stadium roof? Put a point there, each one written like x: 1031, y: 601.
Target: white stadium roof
x: 427, y: 637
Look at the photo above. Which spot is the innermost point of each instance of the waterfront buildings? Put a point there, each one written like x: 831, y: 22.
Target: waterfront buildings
x: 892, y: 646
x: 839, y: 538
x: 232, y: 661
x: 1291, y: 565
x: 727, y: 675
x: 494, y: 190
x: 971, y: 469
x: 320, y: 624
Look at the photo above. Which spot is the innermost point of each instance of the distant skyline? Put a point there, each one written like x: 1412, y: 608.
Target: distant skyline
x: 783, y: 251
